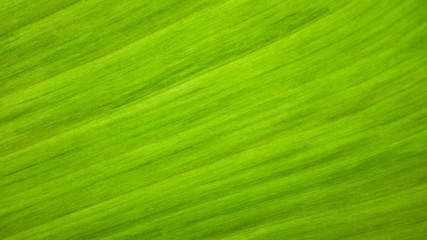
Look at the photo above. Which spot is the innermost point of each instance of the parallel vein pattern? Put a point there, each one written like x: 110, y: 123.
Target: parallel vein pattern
x: 213, y: 119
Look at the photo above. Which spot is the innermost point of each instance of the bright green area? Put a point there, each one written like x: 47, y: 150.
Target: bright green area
x: 213, y: 119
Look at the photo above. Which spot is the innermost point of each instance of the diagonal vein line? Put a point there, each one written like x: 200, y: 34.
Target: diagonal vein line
x: 198, y: 168
x: 266, y: 142
x: 133, y: 149
x: 276, y: 69
x: 128, y: 45
x: 91, y: 121
x: 264, y: 226
x: 41, y: 18
x: 136, y: 149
